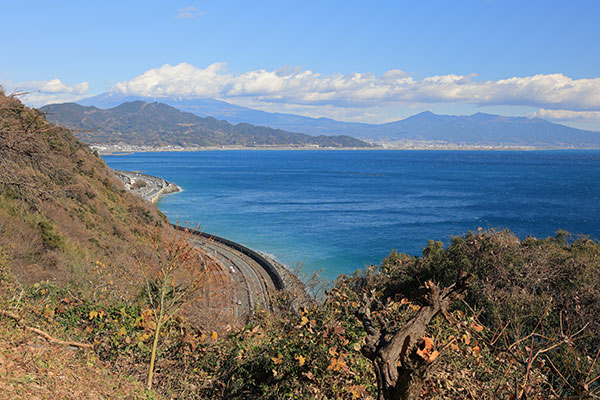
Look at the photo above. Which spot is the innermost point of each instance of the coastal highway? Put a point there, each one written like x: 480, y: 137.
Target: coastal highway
x: 253, y: 278
x: 251, y: 285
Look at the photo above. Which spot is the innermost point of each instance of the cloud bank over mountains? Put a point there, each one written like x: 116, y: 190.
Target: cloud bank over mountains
x: 556, y: 95
x: 305, y: 87
x: 567, y: 115
x: 39, y: 93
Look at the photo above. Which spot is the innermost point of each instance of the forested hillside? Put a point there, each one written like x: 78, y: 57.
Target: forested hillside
x: 156, y: 124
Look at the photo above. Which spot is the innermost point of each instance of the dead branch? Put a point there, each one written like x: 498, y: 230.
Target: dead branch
x: 43, y: 334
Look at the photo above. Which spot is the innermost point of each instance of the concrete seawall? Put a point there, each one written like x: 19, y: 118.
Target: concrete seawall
x: 151, y: 188
x: 260, y: 260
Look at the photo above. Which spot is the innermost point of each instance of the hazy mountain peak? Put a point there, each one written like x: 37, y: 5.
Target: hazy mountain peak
x: 483, y: 115
x: 426, y: 114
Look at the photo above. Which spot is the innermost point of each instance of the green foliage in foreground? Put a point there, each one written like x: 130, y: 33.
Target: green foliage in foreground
x: 535, y: 304
x: 529, y: 326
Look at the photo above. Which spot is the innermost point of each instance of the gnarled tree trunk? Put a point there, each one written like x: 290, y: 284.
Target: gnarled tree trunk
x: 400, y: 371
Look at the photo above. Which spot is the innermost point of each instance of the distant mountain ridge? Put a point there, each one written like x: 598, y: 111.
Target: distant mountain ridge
x: 155, y: 124
x: 477, y: 130
x: 491, y: 130
x: 235, y: 114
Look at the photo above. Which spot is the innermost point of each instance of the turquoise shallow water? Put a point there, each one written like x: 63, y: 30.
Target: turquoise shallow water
x: 341, y: 210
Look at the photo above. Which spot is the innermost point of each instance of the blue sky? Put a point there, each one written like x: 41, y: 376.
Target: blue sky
x: 318, y: 58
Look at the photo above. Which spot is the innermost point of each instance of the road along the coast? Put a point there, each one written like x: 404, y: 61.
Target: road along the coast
x: 254, y: 278
x: 251, y: 286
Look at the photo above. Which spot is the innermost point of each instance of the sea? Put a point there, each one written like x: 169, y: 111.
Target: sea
x: 334, y: 212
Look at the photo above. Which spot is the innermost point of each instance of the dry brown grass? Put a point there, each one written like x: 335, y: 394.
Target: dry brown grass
x: 30, y: 368
x: 61, y: 208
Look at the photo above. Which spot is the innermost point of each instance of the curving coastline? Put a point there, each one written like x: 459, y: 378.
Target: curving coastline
x: 256, y: 277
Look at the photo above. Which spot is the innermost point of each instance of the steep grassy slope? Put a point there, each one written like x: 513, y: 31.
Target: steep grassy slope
x: 64, y: 218
x: 62, y: 211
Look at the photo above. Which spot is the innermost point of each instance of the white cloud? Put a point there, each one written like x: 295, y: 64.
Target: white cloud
x: 183, y: 80
x: 39, y: 93
x: 296, y: 86
x: 568, y: 115
x: 189, y: 12
x: 54, y: 86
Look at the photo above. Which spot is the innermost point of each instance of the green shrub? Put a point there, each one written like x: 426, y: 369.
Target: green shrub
x: 530, y: 295
x: 51, y: 238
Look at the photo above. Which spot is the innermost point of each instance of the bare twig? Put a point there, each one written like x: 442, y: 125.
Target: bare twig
x: 43, y: 334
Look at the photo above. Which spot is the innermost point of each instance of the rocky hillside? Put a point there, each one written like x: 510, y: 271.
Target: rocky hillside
x: 156, y: 124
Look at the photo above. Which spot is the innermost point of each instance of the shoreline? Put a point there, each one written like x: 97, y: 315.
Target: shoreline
x: 126, y: 150
x: 280, y: 276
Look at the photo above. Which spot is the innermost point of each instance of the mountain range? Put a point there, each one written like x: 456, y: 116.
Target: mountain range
x: 490, y: 130
x: 476, y: 130
x: 155, y: 124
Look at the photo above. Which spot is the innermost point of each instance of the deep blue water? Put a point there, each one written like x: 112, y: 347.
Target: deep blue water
x: 340, y: 210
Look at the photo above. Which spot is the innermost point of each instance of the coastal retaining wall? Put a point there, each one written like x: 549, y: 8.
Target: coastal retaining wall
x: 262, y: 261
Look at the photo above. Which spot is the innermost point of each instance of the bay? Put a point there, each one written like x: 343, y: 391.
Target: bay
x: 336, y: 211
